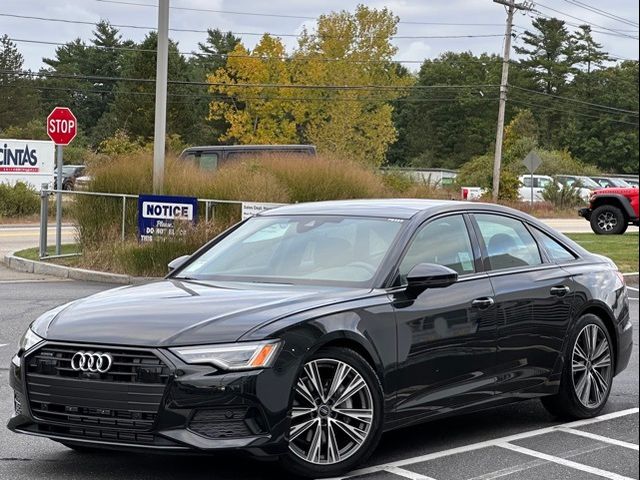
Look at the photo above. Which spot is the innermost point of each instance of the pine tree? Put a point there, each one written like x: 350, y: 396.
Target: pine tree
x: 19, y: 100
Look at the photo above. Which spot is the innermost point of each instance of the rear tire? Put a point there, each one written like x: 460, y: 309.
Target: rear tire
x: 608, y: 220
x: 349, y: 428
x: 587, y: 374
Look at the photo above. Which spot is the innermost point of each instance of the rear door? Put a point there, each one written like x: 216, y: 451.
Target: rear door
x: 533, y: 297
x: 446, y: 336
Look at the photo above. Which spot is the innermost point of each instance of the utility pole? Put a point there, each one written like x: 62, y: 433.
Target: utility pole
x: 162, y: 61
x: 497, y: 159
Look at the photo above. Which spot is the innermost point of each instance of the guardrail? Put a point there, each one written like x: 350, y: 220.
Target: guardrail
x: 45, y: 192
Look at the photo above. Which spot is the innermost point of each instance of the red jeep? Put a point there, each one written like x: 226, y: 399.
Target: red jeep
x: 611, y: 210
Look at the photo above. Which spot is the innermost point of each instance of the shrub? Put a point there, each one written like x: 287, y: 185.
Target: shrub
x: 562, y: 197
x: 18, y: 200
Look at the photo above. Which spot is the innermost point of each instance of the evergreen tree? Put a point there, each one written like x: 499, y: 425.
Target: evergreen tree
x: 19, y: 100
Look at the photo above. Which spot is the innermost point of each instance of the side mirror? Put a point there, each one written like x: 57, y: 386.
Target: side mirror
x: 177, y: 262
x: 430, y: 275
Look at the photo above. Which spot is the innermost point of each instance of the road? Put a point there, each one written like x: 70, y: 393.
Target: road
x: 18, y: 237
x: 479, y: 446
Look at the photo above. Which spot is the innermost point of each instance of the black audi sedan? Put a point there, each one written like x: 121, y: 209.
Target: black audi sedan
x: 307, y: 331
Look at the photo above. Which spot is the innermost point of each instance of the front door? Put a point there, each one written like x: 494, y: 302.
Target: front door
x: 446, y: 336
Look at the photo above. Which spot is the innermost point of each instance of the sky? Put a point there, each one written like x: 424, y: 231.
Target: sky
x: 418, y: 18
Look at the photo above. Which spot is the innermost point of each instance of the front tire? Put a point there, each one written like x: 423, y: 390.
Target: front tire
x: 336, y: 415
x: 587, y: 373
x: 608, y: 220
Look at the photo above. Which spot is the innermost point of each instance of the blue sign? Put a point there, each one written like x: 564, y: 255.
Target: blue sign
x: 163, y: 216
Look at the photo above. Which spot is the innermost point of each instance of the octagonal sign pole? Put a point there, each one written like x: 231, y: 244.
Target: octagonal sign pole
x: 62, y: 128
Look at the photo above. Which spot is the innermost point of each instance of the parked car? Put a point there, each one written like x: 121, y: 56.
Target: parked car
x: 584, y: 184
x: 306, y: 331
x: 610, y: 182
x: 633, y: 182
x: 540, y: 182
x: 612, y: 210
x: 69, y: 175
x: 212, y: 157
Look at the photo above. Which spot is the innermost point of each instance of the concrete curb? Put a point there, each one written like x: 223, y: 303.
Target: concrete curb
x: 631, y: 277
x: 60, y: 271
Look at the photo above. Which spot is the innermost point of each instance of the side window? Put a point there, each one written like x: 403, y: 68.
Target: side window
x: 556, y: 251
x: 509, y: 244
x: 208, y: 161
x: 444, y: 241
x: 526, y: 181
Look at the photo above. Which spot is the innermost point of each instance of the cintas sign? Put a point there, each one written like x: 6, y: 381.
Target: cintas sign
x: 62, y: 126
x: 27, y: 161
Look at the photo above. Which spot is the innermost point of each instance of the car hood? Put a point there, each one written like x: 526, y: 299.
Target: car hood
x: 173, y: 312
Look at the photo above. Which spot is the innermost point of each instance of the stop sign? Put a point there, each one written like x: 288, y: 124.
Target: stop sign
x: 62, y: 126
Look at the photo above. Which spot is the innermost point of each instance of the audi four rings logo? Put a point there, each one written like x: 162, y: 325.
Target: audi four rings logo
x: 91, y: 362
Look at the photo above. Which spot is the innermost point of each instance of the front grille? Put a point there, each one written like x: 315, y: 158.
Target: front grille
x: 106, y: 405
x: 17, y: 404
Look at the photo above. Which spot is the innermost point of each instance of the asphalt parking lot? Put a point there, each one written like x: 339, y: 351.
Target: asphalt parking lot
x: 516, y: 442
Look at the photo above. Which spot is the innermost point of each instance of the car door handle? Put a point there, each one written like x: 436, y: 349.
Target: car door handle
x: 559, y: 291
x: 482, y: 303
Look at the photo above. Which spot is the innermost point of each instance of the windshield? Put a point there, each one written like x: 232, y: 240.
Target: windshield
x: 318, y: 250
x: 587, y: 182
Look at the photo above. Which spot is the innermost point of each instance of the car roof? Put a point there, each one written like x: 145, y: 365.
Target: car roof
x: 403, y: 208
x: 250, y: 147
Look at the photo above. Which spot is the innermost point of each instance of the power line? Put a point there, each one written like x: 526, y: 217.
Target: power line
x: 233, y: 55
x: 295, y: 17
x: 614, y: 33
x: 544, y: 107
x: 220, y: 96
x: 603, y: 13
x: 575, y: 100
x: 194, y: 30
x: 622, y: 34
x: 98, y: 78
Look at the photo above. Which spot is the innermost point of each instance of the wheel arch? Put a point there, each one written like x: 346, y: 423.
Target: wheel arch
x: 615, y: 200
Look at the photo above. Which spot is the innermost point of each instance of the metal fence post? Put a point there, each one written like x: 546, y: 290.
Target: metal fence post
x: 44, y: 217
x: 124, y: 215
x: 206, y: 212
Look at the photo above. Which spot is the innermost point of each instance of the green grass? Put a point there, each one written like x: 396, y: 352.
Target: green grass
x: 622, y: 249
x: 34, y: 254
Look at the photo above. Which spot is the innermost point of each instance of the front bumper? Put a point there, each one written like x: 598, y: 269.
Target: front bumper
x: 201, y: 409
x: 585, y: 213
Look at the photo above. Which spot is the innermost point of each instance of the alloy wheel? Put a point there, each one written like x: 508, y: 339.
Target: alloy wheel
x: 332, y: 412
x: 591, y: 366
x: 607, y: 221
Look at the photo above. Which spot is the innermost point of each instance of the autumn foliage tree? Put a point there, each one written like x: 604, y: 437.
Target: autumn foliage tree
x: 324, y: 93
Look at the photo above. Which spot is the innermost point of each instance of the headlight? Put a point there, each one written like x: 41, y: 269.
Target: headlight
x: 231, y: 356
x: 29, y: 340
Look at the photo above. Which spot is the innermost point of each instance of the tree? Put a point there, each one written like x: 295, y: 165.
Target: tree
x: 133, y: 109
x: 347, y: 50
x: 19, y: 99
x: 586, y: 51
x: 551, y: 58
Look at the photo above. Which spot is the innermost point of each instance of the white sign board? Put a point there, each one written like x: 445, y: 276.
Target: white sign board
x: 28, y: 161
x: 249, y: 209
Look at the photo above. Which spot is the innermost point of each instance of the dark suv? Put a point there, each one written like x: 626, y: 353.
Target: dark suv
x: 212, y: 157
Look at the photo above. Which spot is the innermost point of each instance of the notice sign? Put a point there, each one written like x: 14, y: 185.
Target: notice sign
x: 249, y: 209
x: 28, y: 161
x: 163, y: 216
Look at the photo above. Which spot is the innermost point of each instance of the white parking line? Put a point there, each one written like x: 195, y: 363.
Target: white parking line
x: 407, y: 474
x: 563, y: 461
x: 600, y: 438
x: 632, y: 288
x: 3, y: 345
x: 487, y: 443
